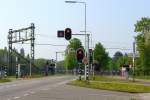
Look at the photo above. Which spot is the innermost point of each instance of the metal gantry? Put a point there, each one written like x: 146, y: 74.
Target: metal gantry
x: 17, y: 36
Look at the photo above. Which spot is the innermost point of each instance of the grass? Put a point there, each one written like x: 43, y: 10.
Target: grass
x: 110, y: 79
x: 5, y: 80
x: 132, y: 88
x: 143, y: 77
x: 12, y: 78
x: 38, y: 75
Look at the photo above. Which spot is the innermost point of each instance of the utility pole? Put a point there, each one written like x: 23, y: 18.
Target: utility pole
x: 133, y: 60
x: 57, y: 58
x: 56, y: 63
x: 88, y: 57
x: 85, y: 31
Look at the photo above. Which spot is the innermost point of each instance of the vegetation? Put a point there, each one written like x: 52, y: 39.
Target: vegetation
x: 133, y: 88
x: 5, y: 80
x: 70, y: 55
x: 101, y: 57
x: 142, y: 27
x: 110, y: 79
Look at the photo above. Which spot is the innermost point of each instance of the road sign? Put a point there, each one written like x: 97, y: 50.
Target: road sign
x: 60, y: 33
x: 85, y: 60
x: 68, y: 33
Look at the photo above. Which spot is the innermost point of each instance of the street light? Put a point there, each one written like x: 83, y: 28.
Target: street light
x: 84, y: 28
x: 71, y: 1
x: 85, y: 16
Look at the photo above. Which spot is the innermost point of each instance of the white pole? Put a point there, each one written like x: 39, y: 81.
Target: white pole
x: 133, y: 61
x: 30, y: 68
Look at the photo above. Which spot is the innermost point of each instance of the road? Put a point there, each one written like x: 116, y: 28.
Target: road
x: 55, y: 88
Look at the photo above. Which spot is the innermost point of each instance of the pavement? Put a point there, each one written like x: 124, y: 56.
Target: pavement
x: 55, y: 88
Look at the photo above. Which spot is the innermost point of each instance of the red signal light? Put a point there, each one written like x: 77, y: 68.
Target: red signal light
x: 79, y: 54
x: 68, y: 33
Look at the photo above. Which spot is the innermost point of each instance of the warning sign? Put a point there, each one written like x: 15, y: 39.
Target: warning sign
x: 85, y: 60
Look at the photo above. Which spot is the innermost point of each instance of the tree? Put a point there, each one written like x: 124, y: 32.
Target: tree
x: 117, y: 60
x: 142, y: 27
x: 117, y: 55
x: 101, y: 56
x: 110, y: 64
x: 40, y: 63
x: 70, y: 55
x: 141, y: 24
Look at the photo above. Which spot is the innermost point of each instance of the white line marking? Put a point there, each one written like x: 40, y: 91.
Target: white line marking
x: 25, y: 94
x: 32, y: 92
x: 16, y: 97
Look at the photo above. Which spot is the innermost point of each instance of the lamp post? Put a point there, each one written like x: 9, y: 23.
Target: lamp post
x: 133, y: 60
x: 85, y: 30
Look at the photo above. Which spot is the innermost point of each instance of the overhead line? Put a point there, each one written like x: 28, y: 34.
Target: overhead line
x: 43, y: 44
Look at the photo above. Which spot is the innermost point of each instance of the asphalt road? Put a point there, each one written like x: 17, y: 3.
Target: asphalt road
x: 55, y: 88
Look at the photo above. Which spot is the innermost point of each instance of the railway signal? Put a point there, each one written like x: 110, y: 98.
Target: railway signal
x: 68, y: 33
x: 80, y: 55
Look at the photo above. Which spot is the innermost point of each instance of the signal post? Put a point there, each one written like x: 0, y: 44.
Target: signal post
x: 67, y: 33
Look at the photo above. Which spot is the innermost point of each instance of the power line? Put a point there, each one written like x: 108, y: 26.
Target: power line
x: 119, y: 48
x: 50, y: 44
x: 66, y: 45
x: 43, y: 44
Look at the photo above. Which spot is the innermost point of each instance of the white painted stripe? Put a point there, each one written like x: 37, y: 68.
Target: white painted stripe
x: 26, y: 94
x: 16, y: 97
x: 32, y: 92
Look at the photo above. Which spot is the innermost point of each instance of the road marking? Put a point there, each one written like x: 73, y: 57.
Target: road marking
x: 8, y: 99
x: 61, y: 83
x: 16, y: 97
x: 32, y: 92
x: 26, y: 94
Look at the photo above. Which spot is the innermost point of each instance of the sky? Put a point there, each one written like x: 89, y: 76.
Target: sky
x: 111, y: 22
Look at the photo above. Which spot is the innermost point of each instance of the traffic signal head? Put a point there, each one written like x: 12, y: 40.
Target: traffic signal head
x: 68, y: 33
x: 60, y: 33
x: 80, y: 55
x: 91, y: 56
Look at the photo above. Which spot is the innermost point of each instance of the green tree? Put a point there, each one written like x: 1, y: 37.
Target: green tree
x: 117, y: 60
x: 101, y: 56
x: 40, y: 63
x: 110, y: 64
x: 142, y: 27
x: 122, y: 60
x: 117, y: 55
x: 70, y: 55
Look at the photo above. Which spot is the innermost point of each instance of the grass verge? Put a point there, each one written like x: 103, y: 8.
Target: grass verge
x: 5, y: 80
x: 143, y: 77
x: 38, y: 75
x: 111, y: 79
x: 132, y: 88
